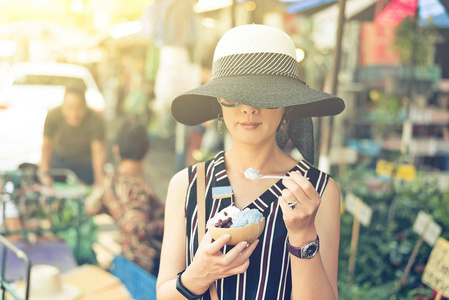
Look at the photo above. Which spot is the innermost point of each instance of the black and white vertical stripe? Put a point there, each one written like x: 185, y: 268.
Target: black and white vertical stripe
x: 269, y: 273
x: 262, y: 63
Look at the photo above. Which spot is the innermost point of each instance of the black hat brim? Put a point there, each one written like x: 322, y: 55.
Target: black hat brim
x: 269, y: 91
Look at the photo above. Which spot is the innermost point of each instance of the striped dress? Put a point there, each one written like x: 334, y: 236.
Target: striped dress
x: 269, y: 274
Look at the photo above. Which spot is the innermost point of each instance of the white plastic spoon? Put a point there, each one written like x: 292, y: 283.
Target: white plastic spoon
x: 253, y: 174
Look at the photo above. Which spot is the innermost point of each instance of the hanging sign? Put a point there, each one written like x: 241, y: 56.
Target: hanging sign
x: 402, y: 172
x: 428, y: 231
x: 436, y: 273
x: 427, y: 228
x: 361, y: 211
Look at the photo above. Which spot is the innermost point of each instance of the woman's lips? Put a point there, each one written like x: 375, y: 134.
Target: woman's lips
x: 249, y: 125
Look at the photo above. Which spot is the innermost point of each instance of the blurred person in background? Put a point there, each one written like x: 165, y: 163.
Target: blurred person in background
x: 74, y: 138
x: 130, y: 201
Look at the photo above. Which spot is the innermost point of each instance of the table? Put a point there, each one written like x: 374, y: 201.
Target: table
x: 96, y: 283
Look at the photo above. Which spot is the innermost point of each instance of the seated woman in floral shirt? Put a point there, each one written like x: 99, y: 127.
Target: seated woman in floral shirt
x: 130, y: 201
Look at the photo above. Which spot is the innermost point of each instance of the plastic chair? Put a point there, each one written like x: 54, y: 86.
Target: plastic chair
x: 140, y: 284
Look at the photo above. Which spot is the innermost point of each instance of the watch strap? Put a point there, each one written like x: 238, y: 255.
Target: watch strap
x: 185, y: 291
x: 299, y: 251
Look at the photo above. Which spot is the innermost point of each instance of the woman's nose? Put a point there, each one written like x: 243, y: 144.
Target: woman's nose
x: 249, y: 109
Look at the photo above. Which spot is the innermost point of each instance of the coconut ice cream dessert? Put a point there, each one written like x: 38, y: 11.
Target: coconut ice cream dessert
x: 242, y: 225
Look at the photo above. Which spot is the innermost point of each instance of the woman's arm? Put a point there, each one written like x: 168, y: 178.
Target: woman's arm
x: 205, y: 268
x: 314, y: 278
x: 328, y: 226
x: 174, y: 241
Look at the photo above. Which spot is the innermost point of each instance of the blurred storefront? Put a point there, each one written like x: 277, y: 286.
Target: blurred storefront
x: 372, y: 64
x: 142, y: 64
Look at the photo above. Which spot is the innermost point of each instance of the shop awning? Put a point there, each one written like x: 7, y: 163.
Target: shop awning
x: 361, y: 10
x: 430, y: 12
x: 308, y: 6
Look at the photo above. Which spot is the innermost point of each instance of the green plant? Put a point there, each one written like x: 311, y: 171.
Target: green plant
x: 387, y: 114
x: 414, y: 43
x: 385, y: 246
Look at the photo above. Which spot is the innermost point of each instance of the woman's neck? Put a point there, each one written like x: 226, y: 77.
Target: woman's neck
x: 268, y: 159
x: 131, y: 167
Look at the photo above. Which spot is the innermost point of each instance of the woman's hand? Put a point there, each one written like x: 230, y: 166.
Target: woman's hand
x: 299, y: 218
x: 211, y: 264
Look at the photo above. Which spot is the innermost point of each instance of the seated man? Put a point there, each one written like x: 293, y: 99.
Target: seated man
x: 130, y: 201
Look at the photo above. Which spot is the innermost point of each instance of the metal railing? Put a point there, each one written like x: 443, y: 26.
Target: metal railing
x: 6, y: 288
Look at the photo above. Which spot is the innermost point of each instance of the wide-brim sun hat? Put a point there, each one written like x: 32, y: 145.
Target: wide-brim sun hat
x: 46, y: 284
x: 255, y: 65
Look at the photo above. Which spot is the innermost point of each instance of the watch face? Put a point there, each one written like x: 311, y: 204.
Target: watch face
x: 310, y: 250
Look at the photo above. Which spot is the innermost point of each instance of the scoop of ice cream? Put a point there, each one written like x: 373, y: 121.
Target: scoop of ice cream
x: 251, y: 173
x: 245, y: 225
x: 246, y: 217
x: 233, y: 217
x: 224, y: 217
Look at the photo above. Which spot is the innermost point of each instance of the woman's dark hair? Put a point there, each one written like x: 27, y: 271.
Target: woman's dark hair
x: 132, y: 141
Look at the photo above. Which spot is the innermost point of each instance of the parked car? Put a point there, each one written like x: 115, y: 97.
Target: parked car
x: 21, y: 135
x: 44, y: 84
x: 27, y: 92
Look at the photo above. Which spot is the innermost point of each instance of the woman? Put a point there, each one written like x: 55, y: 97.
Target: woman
x: 130, y: 200
x: 256, y: 90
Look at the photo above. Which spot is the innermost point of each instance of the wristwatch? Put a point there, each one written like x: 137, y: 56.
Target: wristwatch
x: 307, y: 251
x: 183, y: 290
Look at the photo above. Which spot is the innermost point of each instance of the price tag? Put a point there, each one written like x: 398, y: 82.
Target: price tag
x: 361, y: 211
x: 403, y: 172
x: 436, y: 273
x: 426, y: 227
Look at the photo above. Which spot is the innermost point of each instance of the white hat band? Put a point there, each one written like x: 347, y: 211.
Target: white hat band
x: 262, y: 63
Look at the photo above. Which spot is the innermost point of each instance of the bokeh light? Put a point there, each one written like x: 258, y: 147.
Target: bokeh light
x: 300, y: 55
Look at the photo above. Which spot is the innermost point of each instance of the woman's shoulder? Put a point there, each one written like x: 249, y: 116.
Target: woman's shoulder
x: 319, y: 179
x: 185, y: 176
x: 213, y: 161
x: 332, y: 185
x: 309, y: 168
x: 179, y: 179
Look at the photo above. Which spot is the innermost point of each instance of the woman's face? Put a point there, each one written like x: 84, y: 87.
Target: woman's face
x: 253, y: 125
x: 74, y: 109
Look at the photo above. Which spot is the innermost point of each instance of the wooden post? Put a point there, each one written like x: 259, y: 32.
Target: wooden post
x: 412, y: 258
x: 353, y: 252
x: 326, y: 122
x: 410, y: 262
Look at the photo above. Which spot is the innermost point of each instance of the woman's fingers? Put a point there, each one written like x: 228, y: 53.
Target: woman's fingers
x: 213, y: 247
x: 234, y: 260
x: 284, y: 204
x: 300, y: 186
x: 237, y: 260
x: 239, y: 253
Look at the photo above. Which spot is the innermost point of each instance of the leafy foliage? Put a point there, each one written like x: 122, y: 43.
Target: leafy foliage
x: 414, y: 42
x: 387, y: 113
x: 385, y: 246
